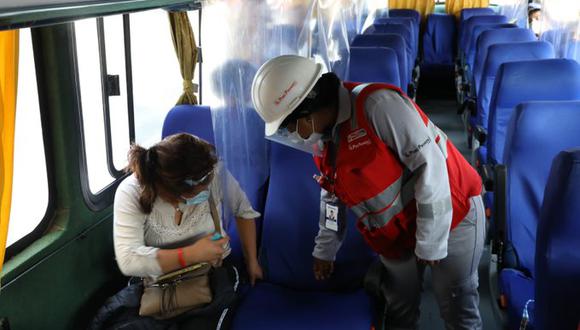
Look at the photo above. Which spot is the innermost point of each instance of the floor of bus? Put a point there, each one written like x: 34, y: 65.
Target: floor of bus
x: 437, y: 98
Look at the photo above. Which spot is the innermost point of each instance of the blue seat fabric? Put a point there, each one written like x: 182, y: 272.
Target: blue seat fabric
x: 517, y: 82
x: 471, y: 23
x: 393, y: 41
x: 290, y: 295
x: 374, y: 64
x: 471, y: 50
x: 498, y: 54
x: 518, y: 290
x: 402, y: 30
x: 492, y: 37
x: 557, y: 253
x: 439, y: 39
x: 406, y: 21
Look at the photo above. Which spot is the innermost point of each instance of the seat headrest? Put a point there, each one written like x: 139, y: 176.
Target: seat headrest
x: 374, y: 64
x: 470, y: 12
x: 192, y: 119
x: 473, y: 21
x: 498, y: 54
x: 551, y: 79
x: 415, y: 15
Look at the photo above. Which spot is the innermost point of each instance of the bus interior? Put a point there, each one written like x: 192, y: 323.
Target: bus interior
x: 81, y: 80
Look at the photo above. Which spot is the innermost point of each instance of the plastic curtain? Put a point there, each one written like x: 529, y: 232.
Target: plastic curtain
x: 424, y: 7
x: 516, y: 11
x: 8, y: 85
x: 560, y: 25
x: 186, y: 51
x: 245, y: 34
x: 454, y: 6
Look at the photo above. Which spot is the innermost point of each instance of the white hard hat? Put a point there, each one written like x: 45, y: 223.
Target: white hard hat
x: 280, y: 85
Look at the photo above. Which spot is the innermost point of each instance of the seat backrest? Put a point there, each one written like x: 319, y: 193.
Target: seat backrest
x: 408, y: 22
x: 557, y: 254
x: 477, y: 31
x: 498, y: 54
x: 471, y: 23
x: 412, y: 13
x: 374, y: 64
x: 439, y: 39
x: 192, y: 119
x: 517, y: 82
x: 537, y: 132
x: 291, y: 223
x: 496, y: 36
x: 393, y: 41
x: 470, y: 12
x: 402, y: 30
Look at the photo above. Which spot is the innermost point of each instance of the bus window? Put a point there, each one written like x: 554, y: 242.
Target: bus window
x: 30, y: 183
x: 105, y: 98
x: 157, y: 82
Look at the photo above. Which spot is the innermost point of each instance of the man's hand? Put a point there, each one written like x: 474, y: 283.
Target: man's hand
x: 254, y: 271
x: 322, y: 269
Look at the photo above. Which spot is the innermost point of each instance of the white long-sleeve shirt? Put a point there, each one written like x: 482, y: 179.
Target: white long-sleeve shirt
x: 401, y: 128
x: 138, y: 236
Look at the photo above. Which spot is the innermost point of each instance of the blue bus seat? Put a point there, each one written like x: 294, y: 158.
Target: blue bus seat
x: 197, y: 120
x: 471, y: 23
x: 557, y: 242
x: 492, y: 37
x: 439, y: 39
x: 290, y: 297
x: 467, y: 13
x: 537, y: 132
x: 408, y: 22
x: 412, y: 13
x: 402, y: 30
x: 497, y: 54
x: 374, y: 64
x: 517, y: 82
x: 472, y: 43
x: 393, y: 41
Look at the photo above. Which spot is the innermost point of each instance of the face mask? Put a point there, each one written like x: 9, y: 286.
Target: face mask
x: 197, y: 199
x: 312, y: 139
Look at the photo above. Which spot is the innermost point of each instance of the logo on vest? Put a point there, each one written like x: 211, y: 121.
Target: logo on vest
x: 420, y: 146
x: 359, y: 144
x: 359, y: 133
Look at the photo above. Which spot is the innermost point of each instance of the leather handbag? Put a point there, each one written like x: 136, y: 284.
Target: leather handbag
x: 180, y: 291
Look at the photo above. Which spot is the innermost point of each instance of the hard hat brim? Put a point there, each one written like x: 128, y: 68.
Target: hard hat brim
x: 272, y: 128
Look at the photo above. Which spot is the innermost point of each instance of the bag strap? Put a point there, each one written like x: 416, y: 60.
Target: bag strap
x: 214, y: 214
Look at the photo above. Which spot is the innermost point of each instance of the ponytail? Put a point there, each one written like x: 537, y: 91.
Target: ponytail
x: 143, y: 163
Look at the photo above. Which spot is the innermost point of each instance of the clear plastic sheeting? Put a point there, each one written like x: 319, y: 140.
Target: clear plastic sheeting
x: 516, y: 11
x: 560, y: 25
x: 244, y: 35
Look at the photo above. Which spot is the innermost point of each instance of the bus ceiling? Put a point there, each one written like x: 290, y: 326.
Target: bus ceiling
x: 34, y: 13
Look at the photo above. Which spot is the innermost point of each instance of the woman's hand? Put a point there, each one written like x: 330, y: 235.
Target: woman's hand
x: 206, y: 250
x: 254, y: 271
x: 322, y: 269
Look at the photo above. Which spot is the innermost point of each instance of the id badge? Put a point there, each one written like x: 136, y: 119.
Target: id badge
x: 331, y: 216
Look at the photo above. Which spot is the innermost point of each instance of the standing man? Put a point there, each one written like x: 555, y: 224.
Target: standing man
x: 416, y: 198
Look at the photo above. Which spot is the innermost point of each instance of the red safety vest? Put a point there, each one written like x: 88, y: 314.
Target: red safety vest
x: 370, y: 179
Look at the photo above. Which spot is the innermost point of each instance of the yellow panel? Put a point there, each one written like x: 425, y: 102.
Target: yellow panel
x: 8, y: 84
x: 424, y: 7
x: 454, y: 6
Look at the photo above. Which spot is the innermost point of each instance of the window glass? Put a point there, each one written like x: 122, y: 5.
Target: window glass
x: 157, y: 82
x: 89, y: 68
x: 118, y: 107
x: 30, y: 184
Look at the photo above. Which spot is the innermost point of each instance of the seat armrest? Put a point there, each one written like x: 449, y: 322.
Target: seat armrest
x: 487, y: 173
x: 480, y: 134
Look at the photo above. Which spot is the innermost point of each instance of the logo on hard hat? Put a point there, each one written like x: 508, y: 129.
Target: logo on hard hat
x: 285, y: 93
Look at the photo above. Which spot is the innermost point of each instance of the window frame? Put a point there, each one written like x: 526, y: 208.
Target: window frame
x: 26, y: 240
x: 104, y: 197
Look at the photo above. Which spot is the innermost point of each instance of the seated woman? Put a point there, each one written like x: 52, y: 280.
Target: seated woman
x: 162, y: 216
